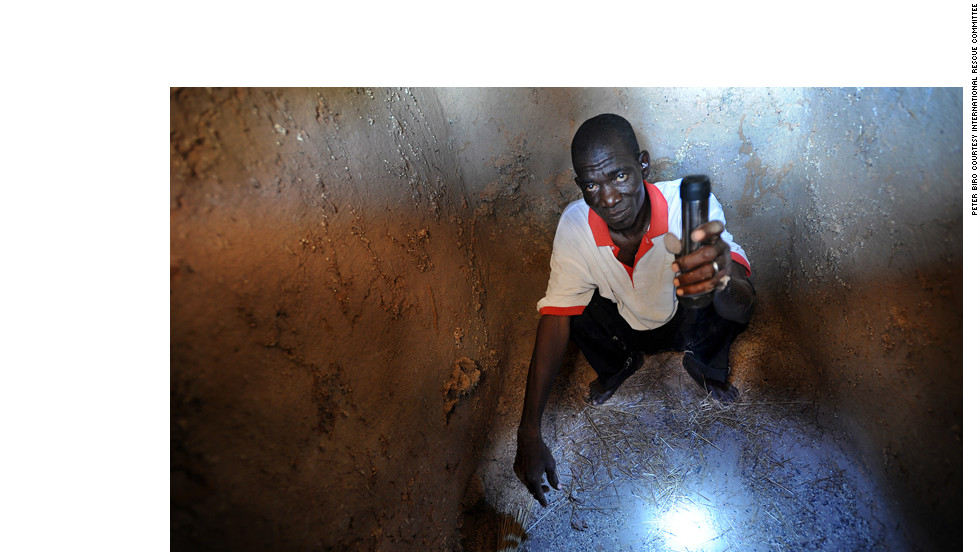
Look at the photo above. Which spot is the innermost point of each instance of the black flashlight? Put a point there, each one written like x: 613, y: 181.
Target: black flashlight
x: 695, y: 190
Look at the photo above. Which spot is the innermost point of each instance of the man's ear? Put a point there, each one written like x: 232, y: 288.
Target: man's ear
x: 645, y: 163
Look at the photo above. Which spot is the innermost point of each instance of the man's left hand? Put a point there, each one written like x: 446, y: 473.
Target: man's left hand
x: 707, y: 269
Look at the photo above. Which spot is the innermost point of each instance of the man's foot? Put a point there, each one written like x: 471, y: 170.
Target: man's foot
x: 599, y: 393
x: 721, y: 390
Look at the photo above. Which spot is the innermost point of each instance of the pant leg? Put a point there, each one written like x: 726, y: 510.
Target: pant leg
x: 604, y: 338
x: 608, y: 341
x: 706, y: 338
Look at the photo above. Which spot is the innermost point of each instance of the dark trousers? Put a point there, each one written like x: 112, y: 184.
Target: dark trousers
x: 608, y: 341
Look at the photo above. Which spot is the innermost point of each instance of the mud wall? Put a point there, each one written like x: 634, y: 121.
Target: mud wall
x: 354, y: 273
x: 327, y: 329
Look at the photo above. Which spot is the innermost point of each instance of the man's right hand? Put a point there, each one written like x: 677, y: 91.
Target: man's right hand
x: 534, y: 460
x: 533, y: 457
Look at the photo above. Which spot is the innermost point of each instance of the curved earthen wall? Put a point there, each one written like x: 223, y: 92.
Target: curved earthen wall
x: 354, y: 273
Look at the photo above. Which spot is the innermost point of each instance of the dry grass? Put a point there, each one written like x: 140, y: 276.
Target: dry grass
x: 651, y: 439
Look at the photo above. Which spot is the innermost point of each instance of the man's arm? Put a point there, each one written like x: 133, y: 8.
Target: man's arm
x: 533, y: 456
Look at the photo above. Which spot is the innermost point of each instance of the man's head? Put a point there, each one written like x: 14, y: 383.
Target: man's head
x: 610, y: 169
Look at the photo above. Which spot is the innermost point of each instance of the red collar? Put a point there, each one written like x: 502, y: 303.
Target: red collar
x: 658, y: 219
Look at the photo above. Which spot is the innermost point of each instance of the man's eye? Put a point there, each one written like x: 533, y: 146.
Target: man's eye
x: 591, y: 187
x: 621, y: 177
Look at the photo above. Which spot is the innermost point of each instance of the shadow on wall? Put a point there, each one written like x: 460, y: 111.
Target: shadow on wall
x: 875, y: 287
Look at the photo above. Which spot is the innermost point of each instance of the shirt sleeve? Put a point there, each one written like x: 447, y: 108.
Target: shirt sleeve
x: 715, y: 212
x: 571, y: 284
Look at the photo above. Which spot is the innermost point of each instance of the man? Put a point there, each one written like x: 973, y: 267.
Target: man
x: 615, y: 279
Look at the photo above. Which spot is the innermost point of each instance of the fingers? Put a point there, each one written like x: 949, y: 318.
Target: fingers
x: 553, y: 477
x: 699, y: 287
x: 708, y: 232
x: 704, y: 279
x: 537, y: 489
x: 538, y: 492
x: 533, y: 461
x: 703, y: 273
x: 718, y: 252
x: 533, y: 482
x: 704, y: 270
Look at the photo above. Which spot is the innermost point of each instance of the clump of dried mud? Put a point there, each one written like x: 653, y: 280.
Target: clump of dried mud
x: 462, y: 382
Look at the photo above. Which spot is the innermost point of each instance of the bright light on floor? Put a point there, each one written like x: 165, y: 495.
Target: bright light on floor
x: 687, y: 527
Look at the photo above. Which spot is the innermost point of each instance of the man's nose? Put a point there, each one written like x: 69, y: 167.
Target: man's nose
x: 609, y: 196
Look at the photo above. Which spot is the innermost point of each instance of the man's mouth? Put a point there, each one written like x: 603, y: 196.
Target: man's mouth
x: 617, y: 212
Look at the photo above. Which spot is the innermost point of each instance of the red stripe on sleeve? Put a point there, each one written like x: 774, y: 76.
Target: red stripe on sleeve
x: 562, y: 311
x: 741, y: 260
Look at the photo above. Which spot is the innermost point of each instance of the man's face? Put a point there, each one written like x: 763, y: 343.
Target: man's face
x: 611, y: 180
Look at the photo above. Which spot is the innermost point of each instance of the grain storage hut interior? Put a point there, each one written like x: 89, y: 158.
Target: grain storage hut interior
x: 353, y: 280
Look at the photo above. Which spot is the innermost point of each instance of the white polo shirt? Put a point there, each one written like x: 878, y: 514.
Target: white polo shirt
x: 583, y: 260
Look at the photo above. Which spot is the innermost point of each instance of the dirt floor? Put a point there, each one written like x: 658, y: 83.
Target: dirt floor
x: 662, y: 467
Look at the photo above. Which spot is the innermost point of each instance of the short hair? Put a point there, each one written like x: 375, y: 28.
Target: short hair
x: 605, y: 126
